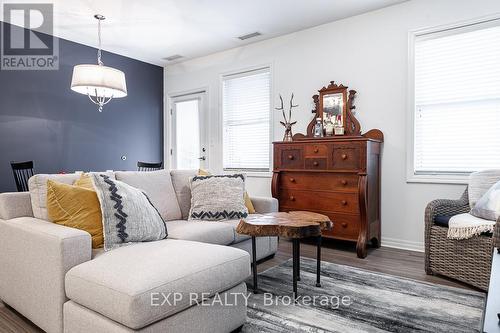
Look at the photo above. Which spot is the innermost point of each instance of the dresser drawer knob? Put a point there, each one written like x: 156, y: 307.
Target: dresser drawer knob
x: 343, y: 202
x: 344, y: 182
x: 292, y: 198
x: 292, y: 180
x: 316, y: 150
x: 344, y: 225
x: 315, y: 163
x: 290, y: 157
x: 344, y: 156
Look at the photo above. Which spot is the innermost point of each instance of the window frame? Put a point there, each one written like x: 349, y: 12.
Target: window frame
x: 240, y: 73
x: 433, y: 32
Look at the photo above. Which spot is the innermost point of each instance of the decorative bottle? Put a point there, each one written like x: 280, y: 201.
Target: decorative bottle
x: 318, y: 128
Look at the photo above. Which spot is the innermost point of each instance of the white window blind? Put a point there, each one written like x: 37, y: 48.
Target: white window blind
x: 246, y: 120
x: 457, y: 100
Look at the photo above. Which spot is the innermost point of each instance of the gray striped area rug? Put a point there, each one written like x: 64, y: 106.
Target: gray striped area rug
x: 356, y: 300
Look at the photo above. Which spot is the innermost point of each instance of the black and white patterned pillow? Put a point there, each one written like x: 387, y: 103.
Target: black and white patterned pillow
x: 215, y: 198
x: 127, y: 214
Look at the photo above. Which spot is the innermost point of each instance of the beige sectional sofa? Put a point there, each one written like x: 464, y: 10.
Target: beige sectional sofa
x: 51, y: 275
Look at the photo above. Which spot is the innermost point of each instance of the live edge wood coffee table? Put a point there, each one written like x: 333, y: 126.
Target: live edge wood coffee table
x: 295, y: 225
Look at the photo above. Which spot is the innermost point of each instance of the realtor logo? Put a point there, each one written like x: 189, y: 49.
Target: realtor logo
x: 27, y: 41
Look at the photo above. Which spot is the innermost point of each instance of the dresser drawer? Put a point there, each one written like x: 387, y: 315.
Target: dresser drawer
x: 346, y: 156
x: 344, y: 226
x: 325, y: 201
x: 291, y: 158
x: 319, y: 181
x: 316, y: 163
x: 313, y: 150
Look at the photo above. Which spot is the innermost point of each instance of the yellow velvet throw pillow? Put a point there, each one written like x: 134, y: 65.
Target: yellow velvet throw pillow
x: 76, y: 207
x: 246, y: 197
x: 85, y: 181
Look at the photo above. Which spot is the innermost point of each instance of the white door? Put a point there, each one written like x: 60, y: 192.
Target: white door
x: 189, y: 149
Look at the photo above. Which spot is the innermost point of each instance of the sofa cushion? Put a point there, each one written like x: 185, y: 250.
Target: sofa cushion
x: 265, y: 246
x: 234, y: 224
x: 37, y: 186
x: 480, y: 182
x: 38, y: 191
x: 180, y: 180
x: 201, y: 231
x: 127, y: 284
x: 158, y: 187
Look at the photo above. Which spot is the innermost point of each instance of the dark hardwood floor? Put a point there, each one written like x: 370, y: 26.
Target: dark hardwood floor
x: 409, y: 264
x: 397, y: 262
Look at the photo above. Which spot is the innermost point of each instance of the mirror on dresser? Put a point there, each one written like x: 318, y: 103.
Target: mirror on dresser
x: 338, y: 175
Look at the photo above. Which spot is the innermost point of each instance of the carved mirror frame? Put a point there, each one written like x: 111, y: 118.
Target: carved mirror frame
x: 337, y: 96
x: 350, y: 123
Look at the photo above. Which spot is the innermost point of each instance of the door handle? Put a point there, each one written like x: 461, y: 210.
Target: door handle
x: 202, y: 158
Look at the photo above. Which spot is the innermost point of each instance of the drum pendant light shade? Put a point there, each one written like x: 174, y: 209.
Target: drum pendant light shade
x: 99, y: 81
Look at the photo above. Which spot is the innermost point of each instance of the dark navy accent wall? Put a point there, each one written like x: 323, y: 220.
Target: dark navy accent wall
x: 43, y: 120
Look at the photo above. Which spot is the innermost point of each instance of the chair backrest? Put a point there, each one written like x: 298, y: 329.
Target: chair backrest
x: 480, y: 182
x: 145, y: 166
x: 22, y: 172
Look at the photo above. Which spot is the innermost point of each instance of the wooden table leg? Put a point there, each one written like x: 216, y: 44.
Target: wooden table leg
x: 254, y: 266
x: 295, y: 253
x: 318, y: 262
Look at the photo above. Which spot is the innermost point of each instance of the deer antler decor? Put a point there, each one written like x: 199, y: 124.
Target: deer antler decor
x: 287, y: 123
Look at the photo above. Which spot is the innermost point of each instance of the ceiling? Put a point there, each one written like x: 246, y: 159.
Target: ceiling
x: 150, y: 30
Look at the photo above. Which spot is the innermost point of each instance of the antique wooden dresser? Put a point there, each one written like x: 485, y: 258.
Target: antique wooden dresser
x: 338, y: 176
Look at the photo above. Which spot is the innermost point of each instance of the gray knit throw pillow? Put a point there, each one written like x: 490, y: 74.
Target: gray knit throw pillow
x: 127, y: 214
x: 216, y: 198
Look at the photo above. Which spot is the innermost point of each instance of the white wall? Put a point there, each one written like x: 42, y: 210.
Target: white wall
x: 369, y: 54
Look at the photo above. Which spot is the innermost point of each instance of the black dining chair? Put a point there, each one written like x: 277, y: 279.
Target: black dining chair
x: 22, y: 172
x: 145, y: 166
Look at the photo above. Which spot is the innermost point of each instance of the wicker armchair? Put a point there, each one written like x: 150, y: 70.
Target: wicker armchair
x: 467, y: 260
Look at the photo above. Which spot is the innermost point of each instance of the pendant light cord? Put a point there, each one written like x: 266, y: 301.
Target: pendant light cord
x: 99, y: 53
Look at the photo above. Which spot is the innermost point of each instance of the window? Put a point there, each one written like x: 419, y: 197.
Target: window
x: 246, y: 102
x: 457, y: 100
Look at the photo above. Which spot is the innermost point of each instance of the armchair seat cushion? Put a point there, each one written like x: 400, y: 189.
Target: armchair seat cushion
x: 130, y: 284
x: 442, y: 220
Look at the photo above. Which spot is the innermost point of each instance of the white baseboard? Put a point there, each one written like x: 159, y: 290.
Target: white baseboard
x: 403, y: 244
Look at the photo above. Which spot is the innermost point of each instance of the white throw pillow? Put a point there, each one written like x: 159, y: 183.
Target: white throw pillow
x: 215, y: 198
x: 488, y: 206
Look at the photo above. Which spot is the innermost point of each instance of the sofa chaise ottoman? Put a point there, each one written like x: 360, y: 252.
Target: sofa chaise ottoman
x: 50, y: 274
